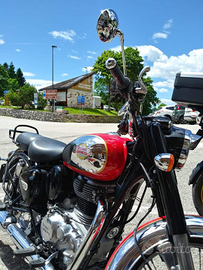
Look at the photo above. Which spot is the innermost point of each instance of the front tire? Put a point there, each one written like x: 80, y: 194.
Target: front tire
x: 165, y: 260
x: 197, y: 194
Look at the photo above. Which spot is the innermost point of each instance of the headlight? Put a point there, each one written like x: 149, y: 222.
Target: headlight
x: 179, y: 142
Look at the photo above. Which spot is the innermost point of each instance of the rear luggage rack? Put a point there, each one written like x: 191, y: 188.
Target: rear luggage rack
x: 12, y: 132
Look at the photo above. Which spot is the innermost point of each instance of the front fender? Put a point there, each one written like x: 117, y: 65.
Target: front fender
x: 150, y: 236
x: 195, y: 173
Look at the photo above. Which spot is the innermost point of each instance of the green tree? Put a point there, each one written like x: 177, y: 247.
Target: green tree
x: 41, y: 102
x: 134, y: 64
x: 103, y: 77
x: 151, y: 99
x: 14, y: 98
x: 24, y: 97
x: 3, y: 80
x: 5, y: 66
x: 11, y: 71
x: 12, y: 84
x: 19, y: 76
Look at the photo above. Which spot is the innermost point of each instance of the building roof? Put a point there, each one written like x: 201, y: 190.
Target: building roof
x: 68, y: 83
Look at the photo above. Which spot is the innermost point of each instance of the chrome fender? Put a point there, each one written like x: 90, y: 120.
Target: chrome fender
x: 151, y: 236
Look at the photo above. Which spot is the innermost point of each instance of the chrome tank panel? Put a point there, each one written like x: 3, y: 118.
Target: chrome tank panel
x: 150, y: 235
x: 90, y: 153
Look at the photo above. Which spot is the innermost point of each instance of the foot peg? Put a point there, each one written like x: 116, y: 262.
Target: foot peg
x: 40, y: 262
x: 25, y: 252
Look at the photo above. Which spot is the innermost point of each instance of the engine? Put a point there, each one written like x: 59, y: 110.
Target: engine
x: 65, y: 225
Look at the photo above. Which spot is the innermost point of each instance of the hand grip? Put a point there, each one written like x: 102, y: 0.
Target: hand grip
x: 122, y: 81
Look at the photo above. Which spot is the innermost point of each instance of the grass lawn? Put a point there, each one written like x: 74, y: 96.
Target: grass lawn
x: 77, y: 111
x: 90, y: 111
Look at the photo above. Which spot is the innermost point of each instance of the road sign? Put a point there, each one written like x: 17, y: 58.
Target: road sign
x: 36, y: 100
x: 51, y: 94
x: 80, y: 99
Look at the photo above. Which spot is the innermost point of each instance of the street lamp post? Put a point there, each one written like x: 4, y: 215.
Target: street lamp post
x: 53, y: 101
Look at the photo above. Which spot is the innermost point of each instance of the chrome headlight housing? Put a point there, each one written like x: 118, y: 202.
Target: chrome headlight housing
x: 179, y: 142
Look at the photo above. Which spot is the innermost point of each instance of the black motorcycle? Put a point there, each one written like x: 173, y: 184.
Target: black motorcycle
x: 66, y: 206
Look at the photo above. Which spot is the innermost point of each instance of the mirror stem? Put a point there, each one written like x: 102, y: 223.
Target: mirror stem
x: 121, y: 37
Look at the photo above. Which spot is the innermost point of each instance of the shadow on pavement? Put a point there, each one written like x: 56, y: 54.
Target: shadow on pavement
x: 11, y: 263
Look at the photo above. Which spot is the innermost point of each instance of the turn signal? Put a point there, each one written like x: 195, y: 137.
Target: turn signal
x: 164, y: 162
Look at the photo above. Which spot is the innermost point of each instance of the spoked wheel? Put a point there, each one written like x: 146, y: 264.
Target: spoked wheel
x: 166, y: 260
x: 197, y: 194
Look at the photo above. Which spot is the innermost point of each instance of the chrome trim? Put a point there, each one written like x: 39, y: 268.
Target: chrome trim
x: 20, y: 238
x: 189, y: 143
x: 184, y: 257
x: 150, y: 236
x: 90, y: 238
x: 162, y: 161
x: 195, y: 139
x: 90, y: 153
x: 124, y: 108
x: 110, y: 63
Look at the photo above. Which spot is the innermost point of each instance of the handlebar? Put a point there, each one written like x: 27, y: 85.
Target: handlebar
x: 124, y: 83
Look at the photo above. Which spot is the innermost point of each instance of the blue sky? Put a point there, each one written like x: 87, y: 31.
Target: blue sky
x: 168, y: 34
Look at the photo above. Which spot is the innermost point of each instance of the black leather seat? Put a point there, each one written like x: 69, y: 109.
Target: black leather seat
x: 25, y: 138
x: 44, y: 150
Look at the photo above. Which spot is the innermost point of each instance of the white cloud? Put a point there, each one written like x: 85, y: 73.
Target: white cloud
x: 90, y: 57
x: 38, y: 83
x: 74, y: 57
x: 167, y: 101
x: 91, y: 52
x: 165, y: 32
x: 159, y: 35
x: 89, y: 69
x: 84, y: 36
x: 64, y: 74
x: 2, y: 41
x: 168, y: 24
x: 163, y: 90
x: 17, y: 50
x: 67, y: 35
x: 152, y: 53
x: 164, y: 68
x: 167, y: 83
x: 28, y: 74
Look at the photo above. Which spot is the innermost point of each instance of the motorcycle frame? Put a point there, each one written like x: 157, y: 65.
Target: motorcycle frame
x: 168, y: 205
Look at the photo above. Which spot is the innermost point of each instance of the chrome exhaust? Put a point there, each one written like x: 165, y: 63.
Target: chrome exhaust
x: 19, y: 238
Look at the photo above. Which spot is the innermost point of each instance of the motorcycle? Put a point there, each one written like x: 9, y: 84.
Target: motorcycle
x: 66, y: 206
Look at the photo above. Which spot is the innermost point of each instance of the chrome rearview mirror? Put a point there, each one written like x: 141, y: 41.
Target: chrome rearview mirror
x: 107, y: 29
x: 107, y: 25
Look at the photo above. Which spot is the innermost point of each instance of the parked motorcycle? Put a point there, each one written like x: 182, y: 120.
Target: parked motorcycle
x: 66, y: 206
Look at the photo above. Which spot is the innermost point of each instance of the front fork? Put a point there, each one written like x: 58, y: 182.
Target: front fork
x: 172, y: 205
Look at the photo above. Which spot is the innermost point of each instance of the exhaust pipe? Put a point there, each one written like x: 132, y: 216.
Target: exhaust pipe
x: 19, y: 238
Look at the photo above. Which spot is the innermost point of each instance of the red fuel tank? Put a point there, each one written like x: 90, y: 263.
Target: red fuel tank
x: 97, y: 156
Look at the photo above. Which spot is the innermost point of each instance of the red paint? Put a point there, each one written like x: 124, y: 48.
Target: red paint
x: 116, y: 158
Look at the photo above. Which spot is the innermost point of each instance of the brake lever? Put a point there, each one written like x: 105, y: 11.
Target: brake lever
x: 142, y: 89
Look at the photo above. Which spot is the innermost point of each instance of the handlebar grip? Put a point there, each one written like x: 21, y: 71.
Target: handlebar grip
x: 122, y: 81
